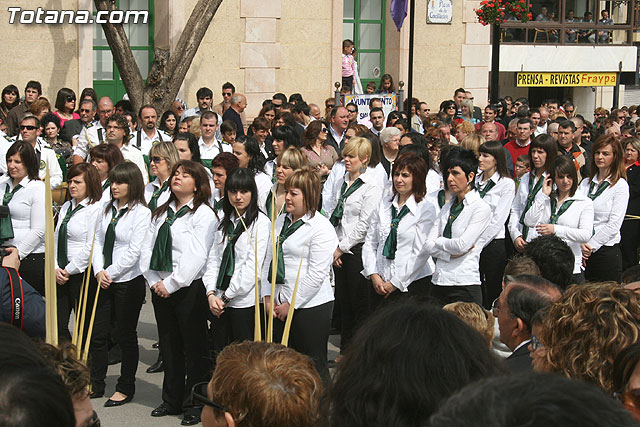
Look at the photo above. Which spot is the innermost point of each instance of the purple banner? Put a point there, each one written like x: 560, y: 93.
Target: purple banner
x: 399, y: 12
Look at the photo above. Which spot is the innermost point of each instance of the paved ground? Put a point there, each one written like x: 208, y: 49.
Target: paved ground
x: 148, y: 386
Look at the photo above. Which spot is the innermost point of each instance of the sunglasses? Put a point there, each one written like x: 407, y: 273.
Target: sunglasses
x: 71, y: 99
x: 156, y: 160
x: 352, y: 111
x: 451, y: 107
x: 324, y: 130
x: 227, y: 94
x: 28, y: 127
x: 199, y: 396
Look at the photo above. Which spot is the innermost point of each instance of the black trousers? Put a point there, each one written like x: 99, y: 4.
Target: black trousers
x: 448, y: 294
x: 32, y: 270
x: 354, y: 294
x: 629, y: 241
x: 68, y: 295
x: 419, y: 289
x: 235, y: 325
x: 605, y: 264
x: 309, y: 335
x: 182, y: 330
x: 493, y: 260
x: 123, y: 300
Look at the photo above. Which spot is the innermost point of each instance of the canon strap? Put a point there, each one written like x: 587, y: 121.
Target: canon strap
x: 17, y: 297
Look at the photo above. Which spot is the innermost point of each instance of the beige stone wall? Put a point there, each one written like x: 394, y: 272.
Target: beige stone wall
x: 46, y: 53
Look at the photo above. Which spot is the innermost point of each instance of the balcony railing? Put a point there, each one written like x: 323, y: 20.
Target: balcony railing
x: 567, y: 33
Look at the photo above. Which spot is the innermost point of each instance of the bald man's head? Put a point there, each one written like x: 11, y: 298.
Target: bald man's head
x: 105, y: 109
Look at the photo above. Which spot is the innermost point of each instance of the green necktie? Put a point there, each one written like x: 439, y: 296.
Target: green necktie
x: 6, y: 227
x: 488, y: 186
x: 228, y: 263
x: 106, y: 185
x: 162, y: 257
x: 217, y: 204
x: 603, y: 186
x: 269, y: 204
x: 284, y: 234
x: 273, y: 175
x: 533, y: 190
x: 63, y: 259
x: 391, y: 244
x: 336, y: 216
x: 555, y: 215
x: 441, y: 198
x: 110, y: 235
x: 153, y: 203
x: 456, y: 208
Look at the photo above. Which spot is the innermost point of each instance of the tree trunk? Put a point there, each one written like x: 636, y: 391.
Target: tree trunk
x: 167, y: 72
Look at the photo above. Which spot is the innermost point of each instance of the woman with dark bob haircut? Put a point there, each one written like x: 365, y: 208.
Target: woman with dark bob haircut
x: 173, y: 257
x: 542, y: 150
x: 230, y: 273
x: 24, y: 228
x: 187, y: 145
x: 249, y: 156
x: 73, y: 238
x: 66, y: 105
x: 10, y: 99
x: 120, y: 236
x: 397, y: 232
x: 408, y: 389
x: 105, y: 157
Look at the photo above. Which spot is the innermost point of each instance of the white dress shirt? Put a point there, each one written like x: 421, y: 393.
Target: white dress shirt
x: 263, y: 183
x: 434, y: 181
x: 270, y: 168
x: 192, y: 236
x: 90, y: 136
x: 358, y: 210
x: 499, y: 198
x: 609, y: 209
x: 131, y: 231
x: 197, y: 112
x: 217, y: 146
x: 466, y: 240
x: 144, y: 142
x: 5, y: 143
x: 80, y: 233
x: 574, y: 226
x: 106, y: 194
x: 242, y: 287
x: 519, y: 203
x: 413, y: 230
x: 314, y: 243
x: 153, y: 186
x: 27, y: 215
x: 132, y: 154
x: 331, y: 187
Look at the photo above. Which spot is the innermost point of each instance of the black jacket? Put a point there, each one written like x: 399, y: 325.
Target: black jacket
x: 23, y: 299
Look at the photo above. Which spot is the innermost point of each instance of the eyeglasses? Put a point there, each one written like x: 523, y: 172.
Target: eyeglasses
x: 568, y: 111
x: 535, y: 343
x: 156, y: 160
x: 495, y: 306
x: 94, y: 421
x: 352, y: 111
x: 71, y: 99
x: 324, y: 130
x: 28, y: 127
x: 199, y: 395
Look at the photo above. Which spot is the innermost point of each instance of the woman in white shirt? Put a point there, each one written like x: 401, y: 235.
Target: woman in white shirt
x: 120, y: 236
x: 249, y: 156
x: 289, y: 161
x: 542, y: 150
x: 105, y: 157
x: 564, y: 212
x: 230, y: 276
x: 24, y: 228
x: 497, y: 189
x: 398, y: 231
x: 162, y: 157
x: 221, y: 167
x: 608, y: 189
x: 73, y: 239
x: 359, y: 196
x: 303, y: 235
x: 173, y: 268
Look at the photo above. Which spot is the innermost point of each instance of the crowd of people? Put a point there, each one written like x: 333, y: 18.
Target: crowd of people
x: 452, y: 252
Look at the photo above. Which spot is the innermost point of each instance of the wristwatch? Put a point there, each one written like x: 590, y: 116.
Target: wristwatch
x: 225, y: 299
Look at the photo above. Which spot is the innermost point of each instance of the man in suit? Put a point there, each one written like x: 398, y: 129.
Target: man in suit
x: 514, y: 308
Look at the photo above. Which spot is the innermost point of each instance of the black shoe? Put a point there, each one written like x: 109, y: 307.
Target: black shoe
x: 190, y: 420
x: 111, y: 403
x: 155, y: 345
x: 156, y: 367
x: 162, y: 411
x: 96, y: 394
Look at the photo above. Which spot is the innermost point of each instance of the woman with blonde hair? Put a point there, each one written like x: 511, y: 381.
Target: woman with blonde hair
x: 464, y: 129
x: 162, y: 157
x: 587, y: 328
x: 472, y: 142
x: 289, y: 161
x: 305, y: 243
x: 475, y: 316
